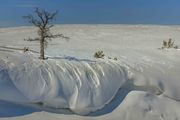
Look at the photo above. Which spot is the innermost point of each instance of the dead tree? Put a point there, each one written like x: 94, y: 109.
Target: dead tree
x: 42, y: 20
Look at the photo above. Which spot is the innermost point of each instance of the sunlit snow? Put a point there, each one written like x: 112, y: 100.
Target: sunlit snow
x: 143, y: 83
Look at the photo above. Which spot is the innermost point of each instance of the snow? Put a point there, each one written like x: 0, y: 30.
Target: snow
x: 142, y: 84
x: 79, y: 85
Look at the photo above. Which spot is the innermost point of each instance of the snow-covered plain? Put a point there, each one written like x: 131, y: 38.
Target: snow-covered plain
x: 143, y: 84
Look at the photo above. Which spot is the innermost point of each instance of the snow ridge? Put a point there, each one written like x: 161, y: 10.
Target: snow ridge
x: 81, y: 86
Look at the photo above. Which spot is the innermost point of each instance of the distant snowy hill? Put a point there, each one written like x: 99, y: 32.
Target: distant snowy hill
x: 143, y: 84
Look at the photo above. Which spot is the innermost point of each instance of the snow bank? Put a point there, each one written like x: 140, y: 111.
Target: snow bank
x: 82, y: 86
x: 149, y: 76
x: 140, y: 105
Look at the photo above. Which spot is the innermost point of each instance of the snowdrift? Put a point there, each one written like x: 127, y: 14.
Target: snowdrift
x: 81, y: 86
x: 143, y: 84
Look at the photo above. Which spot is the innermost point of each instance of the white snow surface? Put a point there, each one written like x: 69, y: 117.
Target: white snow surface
x: 78, y: 85
x: 143, y: 84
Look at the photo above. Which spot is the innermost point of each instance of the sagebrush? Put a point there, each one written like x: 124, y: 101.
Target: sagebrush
x: 99, y: 54
x: 169, y: 44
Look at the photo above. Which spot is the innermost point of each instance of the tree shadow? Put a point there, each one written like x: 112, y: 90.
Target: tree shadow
x: 69, y: 58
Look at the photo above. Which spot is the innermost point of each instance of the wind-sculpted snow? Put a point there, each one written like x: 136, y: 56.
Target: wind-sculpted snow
x: 143, y: 84
x: 81, y: 86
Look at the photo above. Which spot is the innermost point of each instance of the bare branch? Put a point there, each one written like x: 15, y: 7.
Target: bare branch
x: 30, y: 39
x: 52, y: 16
x: 50, y: 26
x: 40, y: 14
x: 42, y: 20
x: 33, y: 21
x: 57, y: 36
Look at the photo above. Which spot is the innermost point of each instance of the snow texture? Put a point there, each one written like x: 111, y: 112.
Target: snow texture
x: 142, y: 84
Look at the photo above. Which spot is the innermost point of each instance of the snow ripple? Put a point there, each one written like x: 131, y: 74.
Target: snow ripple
x: 80, y: 86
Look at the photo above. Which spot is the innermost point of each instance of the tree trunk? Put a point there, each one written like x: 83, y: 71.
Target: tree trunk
x: 42, y: 49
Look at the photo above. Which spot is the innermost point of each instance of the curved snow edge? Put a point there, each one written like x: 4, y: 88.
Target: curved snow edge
x: 81, y: 86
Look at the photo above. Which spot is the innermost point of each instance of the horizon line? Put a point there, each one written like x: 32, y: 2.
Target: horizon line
x: 149, y: 24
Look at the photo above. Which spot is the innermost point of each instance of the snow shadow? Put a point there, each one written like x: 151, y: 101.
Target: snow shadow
x: 9, y: 109
x: 69, y: 58
x: 121, y: 94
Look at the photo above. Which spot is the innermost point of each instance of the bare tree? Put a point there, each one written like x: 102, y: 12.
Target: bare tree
x: 42, y: 20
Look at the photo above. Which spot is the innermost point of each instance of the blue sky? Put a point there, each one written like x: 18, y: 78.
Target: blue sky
x: 94, y: 11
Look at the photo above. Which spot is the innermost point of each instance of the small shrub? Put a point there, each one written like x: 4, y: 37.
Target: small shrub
x: 164, y: 44
x: 99, y: 54
x: 109, y: 58
x: 115, y: 58
x: 169, y: 44
x: 176, y: 47
x: 26, y: 49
